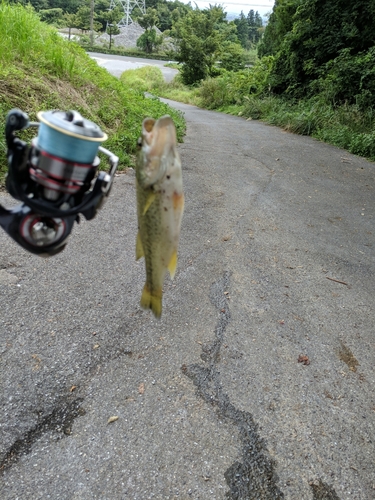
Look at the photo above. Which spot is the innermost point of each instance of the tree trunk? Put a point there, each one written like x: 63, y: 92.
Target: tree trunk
x: 92, y: 23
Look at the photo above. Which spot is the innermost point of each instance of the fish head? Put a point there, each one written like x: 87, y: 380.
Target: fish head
x: 157, y: 148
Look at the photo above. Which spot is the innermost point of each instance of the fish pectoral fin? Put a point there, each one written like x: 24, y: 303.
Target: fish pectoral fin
x: 149, y: 201
x: 173, y: 264
x: 139, y: 248
x: 152, y: 299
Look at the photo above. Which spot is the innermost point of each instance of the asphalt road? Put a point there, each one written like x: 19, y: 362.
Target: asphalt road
x: 118, y: 64
x: 276, y: 262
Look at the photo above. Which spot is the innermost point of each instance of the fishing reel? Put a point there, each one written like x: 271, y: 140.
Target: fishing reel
x: 55, y: 177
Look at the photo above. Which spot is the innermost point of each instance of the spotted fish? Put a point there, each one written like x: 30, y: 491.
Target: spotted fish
x: 160, y: 205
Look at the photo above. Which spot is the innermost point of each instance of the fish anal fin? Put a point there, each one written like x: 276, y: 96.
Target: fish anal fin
x: 173, y: 264
x: 139, y: 248
x: 149, y: 201
x: 152, y: 299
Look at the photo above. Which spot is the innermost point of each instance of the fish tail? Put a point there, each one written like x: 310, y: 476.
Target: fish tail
x: 152, y: 299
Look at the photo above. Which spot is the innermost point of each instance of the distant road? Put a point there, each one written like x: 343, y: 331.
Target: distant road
x: 117, y: 64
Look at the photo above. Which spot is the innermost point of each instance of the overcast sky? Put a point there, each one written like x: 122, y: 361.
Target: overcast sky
x: 262, y: 6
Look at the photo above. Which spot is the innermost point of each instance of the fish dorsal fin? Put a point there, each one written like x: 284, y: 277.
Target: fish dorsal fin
x: 149, y: 201
x: 173, y: 264
x: 139, y: 248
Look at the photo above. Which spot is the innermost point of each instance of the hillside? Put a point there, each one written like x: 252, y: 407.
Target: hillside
x: 39, y: 70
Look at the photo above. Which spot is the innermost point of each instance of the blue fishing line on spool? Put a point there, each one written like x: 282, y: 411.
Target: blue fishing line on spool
x: 68, y: 147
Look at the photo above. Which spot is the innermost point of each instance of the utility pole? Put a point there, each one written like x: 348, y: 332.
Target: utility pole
x: 92, y: 23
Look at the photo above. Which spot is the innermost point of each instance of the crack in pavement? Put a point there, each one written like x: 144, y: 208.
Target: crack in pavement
x: 255, y: 477
x: 322, y: 491
x: 59, y: 420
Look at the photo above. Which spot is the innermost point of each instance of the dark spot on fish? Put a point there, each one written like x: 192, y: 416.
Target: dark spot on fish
x: 166, y: 209
x: 168, y: 176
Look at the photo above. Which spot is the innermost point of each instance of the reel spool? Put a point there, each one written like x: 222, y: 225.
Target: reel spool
x: 55, y: 178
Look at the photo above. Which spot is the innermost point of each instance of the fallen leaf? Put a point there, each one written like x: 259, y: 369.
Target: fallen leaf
x: 96, y: 346
x: 73, y: 388
x: 112, y: 419
x: 141, y: 388
x: 303, y: 359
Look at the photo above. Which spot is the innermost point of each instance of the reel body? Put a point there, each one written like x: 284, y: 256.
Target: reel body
x: 55, y: 177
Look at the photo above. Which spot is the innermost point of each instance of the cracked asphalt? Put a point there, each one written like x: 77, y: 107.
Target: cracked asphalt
x: 257, y: 382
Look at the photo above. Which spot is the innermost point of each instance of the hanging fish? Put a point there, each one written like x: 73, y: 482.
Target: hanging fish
x: 160, y: 205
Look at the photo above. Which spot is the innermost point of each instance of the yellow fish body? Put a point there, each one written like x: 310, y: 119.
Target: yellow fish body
x: 160, y: 205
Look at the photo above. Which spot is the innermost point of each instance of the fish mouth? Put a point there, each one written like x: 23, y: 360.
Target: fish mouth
x: 158, y: 144
x: 161, y: 131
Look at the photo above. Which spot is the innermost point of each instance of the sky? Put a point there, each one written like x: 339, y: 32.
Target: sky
x: 262, y: 6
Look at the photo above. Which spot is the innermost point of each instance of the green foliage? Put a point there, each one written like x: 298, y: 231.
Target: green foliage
x: 242, y: 30
x: 40, y: 70
x: 51, y: 16
x: 249, y: 29
x: 232, y: 56
x: 279, y: 25
x: 147, y: 78
x: 319, y: 38
x: 349, y: 79
x: 235, y: 87
x: 200, y: 37
x: 149, y: 41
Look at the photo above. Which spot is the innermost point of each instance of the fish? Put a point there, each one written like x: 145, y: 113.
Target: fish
x: 160, y: 206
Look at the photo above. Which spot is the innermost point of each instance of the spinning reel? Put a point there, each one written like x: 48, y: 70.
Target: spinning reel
x: 56, y: 178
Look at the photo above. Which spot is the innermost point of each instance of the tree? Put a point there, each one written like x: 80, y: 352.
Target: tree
x: 51, y: 16
x: 112, y: 29
x: 199, y: 37
x: 70, y: 22
x: 109, y: 22
x: 149, y: 40
x: 232, y: 56
x: 322, y: 38
x: 279, y: 24
x: 83, y: 15
x: 242, y: 30
x: 254, y: 22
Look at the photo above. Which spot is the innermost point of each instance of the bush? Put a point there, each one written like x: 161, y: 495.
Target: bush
x: 147, y: 78
x: 349, y: 79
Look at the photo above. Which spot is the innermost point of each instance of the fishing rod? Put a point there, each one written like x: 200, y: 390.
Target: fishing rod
x: 56, y: 177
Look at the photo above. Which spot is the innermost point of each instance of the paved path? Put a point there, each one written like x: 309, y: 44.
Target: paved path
x: 118, y: 64
x: 276, y: 265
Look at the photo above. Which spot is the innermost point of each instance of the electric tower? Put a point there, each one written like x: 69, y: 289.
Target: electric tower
x: 127, y: 6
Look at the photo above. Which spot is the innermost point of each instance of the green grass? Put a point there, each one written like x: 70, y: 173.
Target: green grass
x: 39, y: 70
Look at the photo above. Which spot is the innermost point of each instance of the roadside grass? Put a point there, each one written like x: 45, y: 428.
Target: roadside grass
x: 39, y: 70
